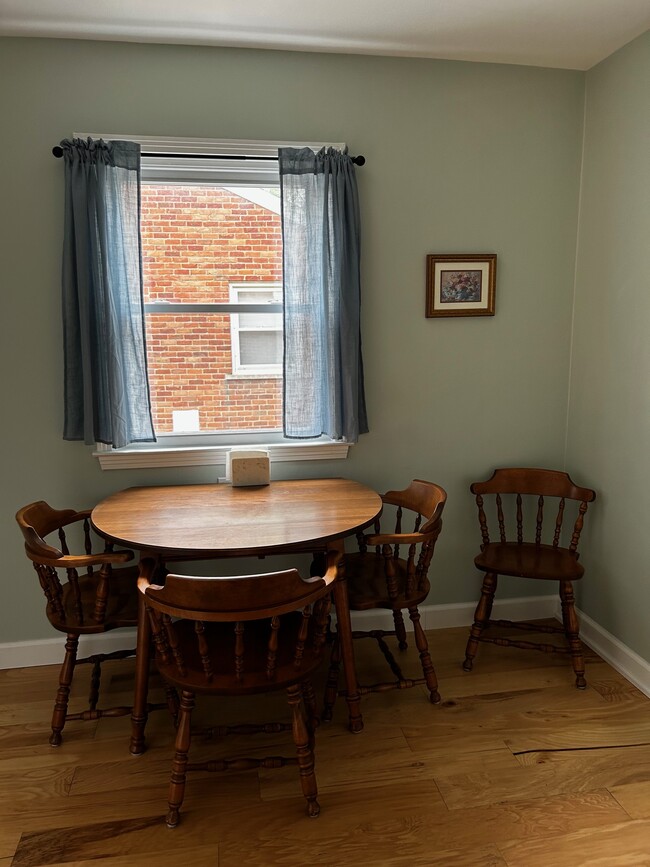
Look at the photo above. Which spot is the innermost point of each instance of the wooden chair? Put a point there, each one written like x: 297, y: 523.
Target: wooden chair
x: 540, y: 560
x: 241, y: 636
x: 379, y: 578
x: 94, y: 599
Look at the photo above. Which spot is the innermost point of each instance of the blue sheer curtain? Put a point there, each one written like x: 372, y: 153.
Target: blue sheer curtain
x: 323, y: 369
x: 106, y: 389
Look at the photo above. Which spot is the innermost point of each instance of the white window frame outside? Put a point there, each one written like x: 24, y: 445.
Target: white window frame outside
x: 239, y: 369
x: 209, y: 449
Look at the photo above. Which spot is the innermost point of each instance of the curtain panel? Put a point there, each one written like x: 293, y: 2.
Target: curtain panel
x: 323, y: 368
x: 106, y: 388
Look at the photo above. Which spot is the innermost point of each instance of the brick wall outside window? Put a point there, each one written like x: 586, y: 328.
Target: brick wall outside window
x: 197, y: 240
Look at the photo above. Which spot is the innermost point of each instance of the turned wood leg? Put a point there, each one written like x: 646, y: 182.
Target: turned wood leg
x: 309, y: 699
x: 425, y: 657
x: 95, y: 681
x: 171, y: 695
x: 481, y: 618
x: 179, y: 765
x: 304, y: 750
x: 344, y: 632
x: 141, y: 689
x: 63, y: 693
x: 332, y: 685
x: 572, y: 632
x: 400, y: 629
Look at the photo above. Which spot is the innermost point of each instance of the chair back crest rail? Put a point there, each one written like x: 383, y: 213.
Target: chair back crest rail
x: 520, y: 509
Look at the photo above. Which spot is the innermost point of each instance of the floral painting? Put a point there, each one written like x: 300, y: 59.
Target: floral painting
x: 458, y: 286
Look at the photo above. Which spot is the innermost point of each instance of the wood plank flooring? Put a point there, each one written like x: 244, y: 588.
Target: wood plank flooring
x: 515, y: 768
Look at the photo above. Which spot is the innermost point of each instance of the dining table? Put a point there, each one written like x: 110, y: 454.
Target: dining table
x: 175, y: 523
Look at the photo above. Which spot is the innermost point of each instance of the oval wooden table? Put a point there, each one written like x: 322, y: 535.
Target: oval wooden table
x: 185, y: 522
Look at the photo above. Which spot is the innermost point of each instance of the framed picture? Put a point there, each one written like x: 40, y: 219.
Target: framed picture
x: 461, y: 285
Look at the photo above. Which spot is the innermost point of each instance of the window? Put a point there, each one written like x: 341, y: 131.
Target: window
x: 212, y: 268
x: 256, y: 336
x: 212, y: 271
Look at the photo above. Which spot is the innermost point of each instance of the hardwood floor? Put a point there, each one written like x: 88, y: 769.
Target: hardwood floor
x: 515, y: 768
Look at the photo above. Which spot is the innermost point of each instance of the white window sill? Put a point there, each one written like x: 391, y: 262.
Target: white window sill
x: 200, y: 456
x: 243, y: 374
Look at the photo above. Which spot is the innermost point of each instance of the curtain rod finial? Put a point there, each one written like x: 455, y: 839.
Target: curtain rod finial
x: 57, y: 151
x: 359, y: 161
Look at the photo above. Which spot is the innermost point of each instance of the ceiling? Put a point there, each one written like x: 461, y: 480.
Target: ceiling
x: 569, y: 34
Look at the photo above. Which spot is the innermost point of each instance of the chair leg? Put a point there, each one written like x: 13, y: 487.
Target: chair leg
x: 481, y: 618
x: 173, y: 705
x: 572, y: 632
x: 95, y: 682
x: 425, y: 657
x: 141, y: 688
x: 400, y: 629
x: 304, y: 750
x: 309, y: 699
x: 63, y: 693
x: 332, y: 686
x: 179, y: 765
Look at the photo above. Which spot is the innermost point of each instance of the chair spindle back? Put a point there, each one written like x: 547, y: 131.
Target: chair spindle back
x: 539, y: 486
x: 294, y: 614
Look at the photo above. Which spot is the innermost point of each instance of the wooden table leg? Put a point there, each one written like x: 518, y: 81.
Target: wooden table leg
x: 344, y: 629
x: 141, y: 689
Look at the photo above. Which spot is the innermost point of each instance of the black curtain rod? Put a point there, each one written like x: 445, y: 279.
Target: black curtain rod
x: 359, y: 161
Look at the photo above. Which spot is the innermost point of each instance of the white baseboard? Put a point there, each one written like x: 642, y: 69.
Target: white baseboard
x: 49, y: 651
x: 622, y: 658
x: 461, y: 613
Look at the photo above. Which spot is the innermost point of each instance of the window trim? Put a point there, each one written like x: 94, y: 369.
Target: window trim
x: 152, y: 455
x: 155, y: 455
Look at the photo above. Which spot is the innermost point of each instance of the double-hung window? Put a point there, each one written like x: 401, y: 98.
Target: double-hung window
x: 256, y: 329
x: 212, y: 278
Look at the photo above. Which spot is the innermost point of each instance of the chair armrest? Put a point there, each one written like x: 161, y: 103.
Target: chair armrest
x: 396, y: 538
x: 334, y: 558
x: 82, y: 561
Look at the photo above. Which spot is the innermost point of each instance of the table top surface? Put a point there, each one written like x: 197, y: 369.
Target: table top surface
x: 219, y: 518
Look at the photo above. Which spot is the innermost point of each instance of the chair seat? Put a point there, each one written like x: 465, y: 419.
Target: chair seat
x: 220, y: 639
x: 121, y: 605
x: 528, y: 560
x: 366, y: 582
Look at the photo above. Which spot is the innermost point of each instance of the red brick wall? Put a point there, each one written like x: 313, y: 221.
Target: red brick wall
x: 196, y: 241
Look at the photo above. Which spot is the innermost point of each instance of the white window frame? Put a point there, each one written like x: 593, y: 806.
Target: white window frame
x: 203, y: 449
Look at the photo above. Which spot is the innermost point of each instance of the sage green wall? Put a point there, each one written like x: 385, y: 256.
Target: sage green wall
x: 461, y: 157
x: 609, y: 410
